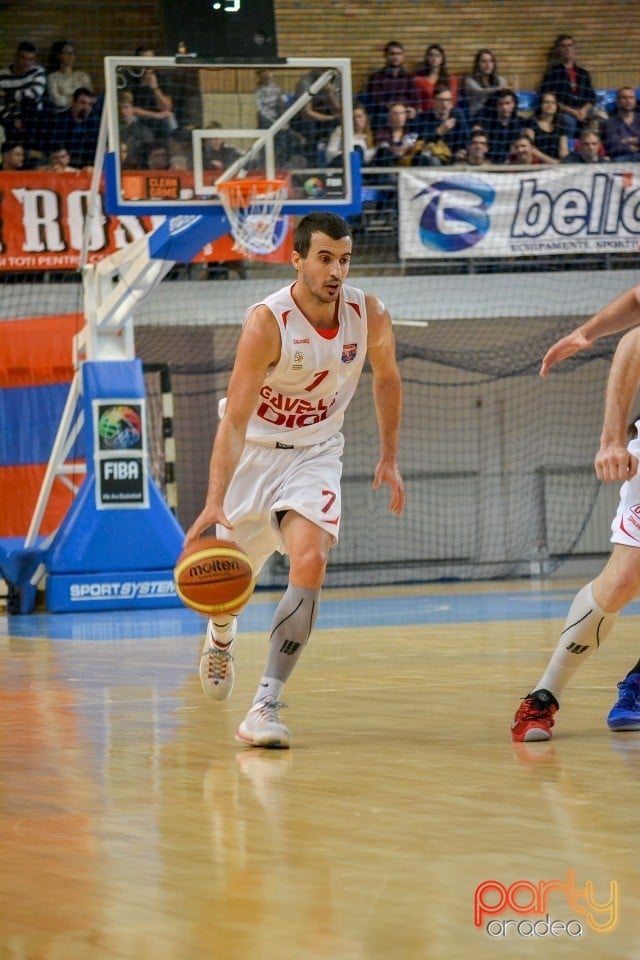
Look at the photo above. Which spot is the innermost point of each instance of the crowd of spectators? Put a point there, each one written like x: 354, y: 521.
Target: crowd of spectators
x: 476, y: 118
x: 426, y: 116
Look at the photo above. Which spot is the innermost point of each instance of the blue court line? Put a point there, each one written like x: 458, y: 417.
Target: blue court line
x: 361, y: 612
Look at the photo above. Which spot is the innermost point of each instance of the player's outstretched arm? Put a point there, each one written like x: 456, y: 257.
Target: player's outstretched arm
x: 564, y: 348
x: 387, y: 393
x: 613, y: 461
x: 621, y: 313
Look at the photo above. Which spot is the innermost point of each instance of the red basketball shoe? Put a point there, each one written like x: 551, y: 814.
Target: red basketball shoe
x: 534, y: 717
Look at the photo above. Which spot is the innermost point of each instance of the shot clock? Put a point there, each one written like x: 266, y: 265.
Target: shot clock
x: 224, y: 31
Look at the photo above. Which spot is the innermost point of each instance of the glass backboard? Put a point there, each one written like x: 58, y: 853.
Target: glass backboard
x: 178, y: 128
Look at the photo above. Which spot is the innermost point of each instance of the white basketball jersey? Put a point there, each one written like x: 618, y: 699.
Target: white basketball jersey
x: 306, y: 393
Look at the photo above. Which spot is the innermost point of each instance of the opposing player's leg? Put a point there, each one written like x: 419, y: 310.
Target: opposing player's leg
x: 591, y: 618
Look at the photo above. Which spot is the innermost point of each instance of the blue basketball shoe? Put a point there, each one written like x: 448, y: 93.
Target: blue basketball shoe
x: 625, y: 713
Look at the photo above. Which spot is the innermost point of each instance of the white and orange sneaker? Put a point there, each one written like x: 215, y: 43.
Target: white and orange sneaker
x: 262, y: 726
x: 216, y: 663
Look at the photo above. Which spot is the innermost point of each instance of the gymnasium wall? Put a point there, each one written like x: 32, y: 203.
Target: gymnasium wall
x: 520, y: 33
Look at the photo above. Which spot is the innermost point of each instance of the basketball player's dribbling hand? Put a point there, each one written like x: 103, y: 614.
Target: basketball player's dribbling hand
x: 614, y: 463
x: 389, y: 474
x: 209, y: 517
x: 563, y: 348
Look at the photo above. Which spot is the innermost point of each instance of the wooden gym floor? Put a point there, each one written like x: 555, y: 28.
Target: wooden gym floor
x: 134, y: 827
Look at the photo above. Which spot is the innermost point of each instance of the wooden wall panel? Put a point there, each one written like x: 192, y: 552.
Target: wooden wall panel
x: 519, y: 31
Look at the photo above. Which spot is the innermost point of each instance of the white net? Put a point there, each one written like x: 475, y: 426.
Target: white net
x: 253, y: 211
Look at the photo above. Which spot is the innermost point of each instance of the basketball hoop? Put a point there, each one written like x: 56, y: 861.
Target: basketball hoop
x: 252, y: 208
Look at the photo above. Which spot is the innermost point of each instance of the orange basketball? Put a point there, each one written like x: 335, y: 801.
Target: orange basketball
x: 214, y: 576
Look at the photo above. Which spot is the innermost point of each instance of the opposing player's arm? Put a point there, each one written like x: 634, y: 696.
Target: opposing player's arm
x: 387, y: 394
x: 258, y: 349
x: 621, y: 313
x: 613, y: 460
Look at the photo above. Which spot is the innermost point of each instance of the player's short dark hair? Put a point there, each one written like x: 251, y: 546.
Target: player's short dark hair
x: 320, y: 221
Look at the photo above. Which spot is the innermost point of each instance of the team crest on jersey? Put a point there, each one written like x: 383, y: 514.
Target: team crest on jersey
x: 349, y: 352
x: 298, y: 360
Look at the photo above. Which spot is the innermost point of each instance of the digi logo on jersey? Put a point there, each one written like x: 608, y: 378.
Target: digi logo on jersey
x: 455, y: 215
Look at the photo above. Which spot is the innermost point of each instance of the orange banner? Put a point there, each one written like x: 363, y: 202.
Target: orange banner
x: 42, y: 219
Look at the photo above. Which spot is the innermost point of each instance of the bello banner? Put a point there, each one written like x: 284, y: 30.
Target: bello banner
x: 42, y: 221
x: 565, y: 209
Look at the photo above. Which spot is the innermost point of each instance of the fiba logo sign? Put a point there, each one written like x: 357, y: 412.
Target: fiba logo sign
x: 455, y: 216
x: 120, y: 428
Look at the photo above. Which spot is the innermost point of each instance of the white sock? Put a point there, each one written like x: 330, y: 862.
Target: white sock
x: 223, y: 626
x: 268, y: 687
x: 585, y: 628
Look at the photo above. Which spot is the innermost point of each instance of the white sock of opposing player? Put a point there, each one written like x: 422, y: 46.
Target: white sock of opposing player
x: 290, y: 630
x: 585, y: 628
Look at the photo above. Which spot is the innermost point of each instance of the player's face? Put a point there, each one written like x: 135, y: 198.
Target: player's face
x: 325, y: 268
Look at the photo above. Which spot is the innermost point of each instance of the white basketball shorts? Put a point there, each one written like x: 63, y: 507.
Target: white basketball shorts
x: 269, y: 480
x: 625, y: 527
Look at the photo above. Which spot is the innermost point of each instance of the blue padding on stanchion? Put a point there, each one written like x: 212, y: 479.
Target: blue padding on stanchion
x: 30, y: 418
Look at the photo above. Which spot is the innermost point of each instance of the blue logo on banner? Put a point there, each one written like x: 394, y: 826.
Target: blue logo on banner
x: 446, y: 207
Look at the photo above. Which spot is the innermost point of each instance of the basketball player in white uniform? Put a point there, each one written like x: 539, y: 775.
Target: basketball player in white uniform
x: 276, y: 464
x: 596, y: 606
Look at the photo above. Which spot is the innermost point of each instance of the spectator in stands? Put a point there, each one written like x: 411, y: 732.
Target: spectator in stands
x: 546, y: 129
x: 500, y: 121
x: 432, y: 76
x: 14, y: 156
x: 476, y: 151
x: 78, y: 127
x: 158, y: 156
x: 152, y: 103
x: 22, y: 88
x: 523, y: 151
x: 443, y: 130
x: 622, y: 132
x: 571, y: 84
x: 588, y: 149
x: 60, y: 160
x: 364, y: 140
x: 397, y: 143
x: 271, y: 102
x: 62, y: 76
x: 483, y: 81
x: 133, y: 131
x: 392, y: 84
x: 317, y: 119
x: 181, y: 150
x: 219, y: 155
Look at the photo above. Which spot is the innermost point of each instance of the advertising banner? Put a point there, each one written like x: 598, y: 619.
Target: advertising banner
x: 563, y: 209
x: 42, y: 221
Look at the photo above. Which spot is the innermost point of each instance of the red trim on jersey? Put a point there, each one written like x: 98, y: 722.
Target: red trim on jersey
x: 356, y: 307
x: 284, y: 317
x: 625, y: 531
x: 328, y: 334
